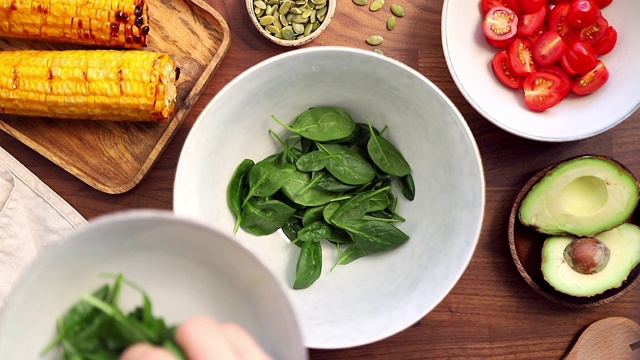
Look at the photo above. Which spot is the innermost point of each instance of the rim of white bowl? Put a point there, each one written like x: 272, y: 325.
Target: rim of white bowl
x: 293, y: 53
x: 456, y: 79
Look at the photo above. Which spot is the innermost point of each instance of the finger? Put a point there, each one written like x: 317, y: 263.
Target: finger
x: 201, y: 339
x: 242, y: 343
x: 143, y: 351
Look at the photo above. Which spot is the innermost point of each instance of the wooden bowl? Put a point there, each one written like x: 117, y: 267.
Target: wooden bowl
x: 331, y: 10
x: 526, y: 249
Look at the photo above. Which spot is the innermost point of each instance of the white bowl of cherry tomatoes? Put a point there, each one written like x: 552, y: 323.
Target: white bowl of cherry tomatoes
x: 547, y: 70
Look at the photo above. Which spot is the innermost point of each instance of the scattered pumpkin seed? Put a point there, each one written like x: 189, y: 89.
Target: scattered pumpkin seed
x: 397, y: 10
x: 378, y: 51
x: 361, y: 2
x: 376, y: 5
x: 391, y: 22
x: 375, y: 40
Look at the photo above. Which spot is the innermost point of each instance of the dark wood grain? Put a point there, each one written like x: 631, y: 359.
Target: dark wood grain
x: 492, y: 313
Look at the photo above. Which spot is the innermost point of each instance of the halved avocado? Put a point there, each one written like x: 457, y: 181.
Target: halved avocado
x: 623, y: 243
x: 582, y: 196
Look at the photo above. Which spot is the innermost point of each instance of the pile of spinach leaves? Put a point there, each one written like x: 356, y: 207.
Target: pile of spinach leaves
x: 96, y: 328
x: 332, y: 181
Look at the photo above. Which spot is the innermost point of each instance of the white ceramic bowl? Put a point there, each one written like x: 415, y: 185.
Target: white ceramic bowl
x: 469, y: 57
x: 373, y: 297
x: 187, y: 269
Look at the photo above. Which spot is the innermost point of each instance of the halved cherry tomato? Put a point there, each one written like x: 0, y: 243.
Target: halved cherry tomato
x: 487, y: 5
x: 500, y: 44
x: 581, y: 56
x: 558, y: 21
x: 529, y: 24
x: 503, y: 71
x: 541, y: 91
x: 593, y: 33
x: 500, y: 23
x: 603, y: 3
x: 531, y: 6
x: 591, y: 81
x: 548, y: 48
x: 520, y: 57
x: 607, y: 42
x: 565, y: 81
x: 582, y: 13
x: 567, y: 67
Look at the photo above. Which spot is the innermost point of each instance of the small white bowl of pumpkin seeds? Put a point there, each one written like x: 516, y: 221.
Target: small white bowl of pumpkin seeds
x: 291, y: 22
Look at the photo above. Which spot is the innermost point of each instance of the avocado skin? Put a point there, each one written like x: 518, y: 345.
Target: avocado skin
x: 624, y: 246
x: 545, y: 205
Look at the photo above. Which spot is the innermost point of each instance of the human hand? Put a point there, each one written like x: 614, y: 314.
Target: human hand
x: 201, y: 338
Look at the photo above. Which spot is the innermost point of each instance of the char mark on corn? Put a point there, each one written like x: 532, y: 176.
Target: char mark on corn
x: 133, y: 85
x: 105, y: 23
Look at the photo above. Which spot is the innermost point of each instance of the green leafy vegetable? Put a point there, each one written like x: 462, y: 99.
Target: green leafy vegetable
x: 323, y: 123
x: 96, y: 327
x: 331, y: 182
x: 309, y: 265
x: 386, y: 156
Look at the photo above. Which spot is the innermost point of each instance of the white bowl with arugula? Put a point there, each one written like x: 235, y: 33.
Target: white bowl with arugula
x: 592, y: 66
x: 134, y: 276
x: 351, y: 176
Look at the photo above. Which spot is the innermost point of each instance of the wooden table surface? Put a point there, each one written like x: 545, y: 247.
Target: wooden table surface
x: 491, y: 312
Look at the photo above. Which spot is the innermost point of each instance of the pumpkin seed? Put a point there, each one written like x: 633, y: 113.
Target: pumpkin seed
x: 397, y: 10
x: 260, y: 4
x: 285, y: 6
x: 272, y: 29
x: 391, y: 22
x: 306, y: 13
x: 375, y: 40
x: 312, y: 17
x: 258, y: 11
x: 378, y: 51
x: 283, y: 20
x: 295, y: 11
x: 287, y: 33
x: 361, y: 2
x: 298, y: 28
x: 376, y: 5
x: 266, y: 20
x: 308, y: 29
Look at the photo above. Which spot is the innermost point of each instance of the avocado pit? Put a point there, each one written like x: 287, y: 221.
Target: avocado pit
x: 587, y: 255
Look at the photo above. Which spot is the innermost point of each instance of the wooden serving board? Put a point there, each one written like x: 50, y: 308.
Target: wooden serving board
x: 114, y: 156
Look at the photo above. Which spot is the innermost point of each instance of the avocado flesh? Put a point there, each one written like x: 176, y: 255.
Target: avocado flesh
x: 624, y: 246
x: 583, y: 196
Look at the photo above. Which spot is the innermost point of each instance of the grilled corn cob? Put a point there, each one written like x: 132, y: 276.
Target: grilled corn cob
x: 88, y: 84
x: 112, y: 23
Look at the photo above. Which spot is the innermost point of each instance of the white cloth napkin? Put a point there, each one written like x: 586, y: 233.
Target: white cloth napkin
x: 31, y: 216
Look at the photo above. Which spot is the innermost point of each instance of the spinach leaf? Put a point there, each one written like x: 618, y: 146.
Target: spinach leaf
x: 375, y: 236
x: 312, y: 214
x: 330, y: 183
x: 313, y: 161
x: 323, y: 123
x: 386, y: 156
x: 97, y: 328
x: 309, y: 265
x: 407, y: 186
x: 351, y: 253
x: 266, y: 177
x: 357, y: 206
x: 329, y: 211
x: 291, y: 228
x: 347, y: 165
x: 296, y: 188
x: 315, y: 231
x: 262, y: 217
x: 235, y: 190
